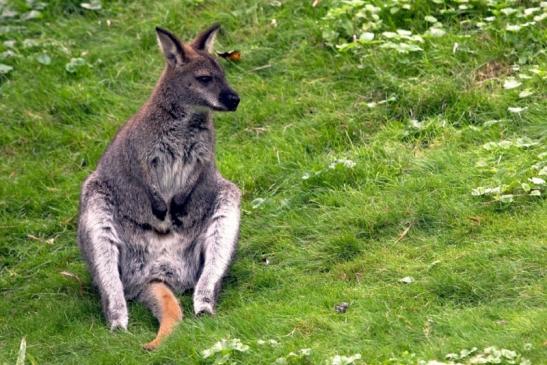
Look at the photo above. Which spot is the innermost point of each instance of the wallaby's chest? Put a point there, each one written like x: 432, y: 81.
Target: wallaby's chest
x: 170, y: 171
x: 175, y: 158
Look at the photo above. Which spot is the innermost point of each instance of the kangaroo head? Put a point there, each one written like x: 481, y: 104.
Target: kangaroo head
x: 193, y: 74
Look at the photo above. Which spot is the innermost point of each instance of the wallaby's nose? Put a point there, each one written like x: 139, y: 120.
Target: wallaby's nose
x: 230, y: 99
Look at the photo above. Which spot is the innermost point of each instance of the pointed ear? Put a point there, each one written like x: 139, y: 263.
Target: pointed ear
x: 171, y: 47
x: 206, y: 39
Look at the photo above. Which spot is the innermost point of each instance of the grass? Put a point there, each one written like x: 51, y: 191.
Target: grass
x: 311, y: 236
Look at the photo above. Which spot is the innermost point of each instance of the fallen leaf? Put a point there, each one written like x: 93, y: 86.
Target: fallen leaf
x: 49, y: 241
x: 22, y: 352
x: 403, y: 233
x: 75, y: 277
x: 475, y: 219
x: 70, y: 275
x: 257, y: 202
x: 263, y: 67
x: 234, y: 56
x: 428, y: 326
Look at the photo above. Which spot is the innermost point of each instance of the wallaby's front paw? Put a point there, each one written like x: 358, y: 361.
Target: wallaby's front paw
x: 119, y: 324
x: 117, y: 317
x: 159, y: 208
x: 203, y: 306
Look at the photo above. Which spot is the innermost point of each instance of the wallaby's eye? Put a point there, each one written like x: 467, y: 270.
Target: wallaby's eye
x: 204, y: 79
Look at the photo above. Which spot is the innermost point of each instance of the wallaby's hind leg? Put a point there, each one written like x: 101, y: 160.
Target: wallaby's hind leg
x: 165, y: 307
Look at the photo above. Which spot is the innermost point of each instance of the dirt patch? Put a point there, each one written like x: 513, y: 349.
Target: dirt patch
x: 491, y: 70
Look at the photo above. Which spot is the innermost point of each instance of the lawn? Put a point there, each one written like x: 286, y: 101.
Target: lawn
x: 392, y: 156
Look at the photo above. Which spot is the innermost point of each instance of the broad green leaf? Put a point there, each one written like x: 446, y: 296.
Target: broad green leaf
x: 436, y: 32
x: 75, y: 64
x: 537, y: 181
x: 366, y: 36
x: 5, y: 69
x: 92, y: 5
x: 525, y: 93
x: 507, y: 198
x: 511, y: 83
x: 33, y: 14
x: 516, y: 109
x: 44, y: 59
x: 9, y: 13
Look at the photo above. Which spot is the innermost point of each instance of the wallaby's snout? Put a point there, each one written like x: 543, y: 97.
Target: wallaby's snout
x: 229, y: 98
x: 193, y: 72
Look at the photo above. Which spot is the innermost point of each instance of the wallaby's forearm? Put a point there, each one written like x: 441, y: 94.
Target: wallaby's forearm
x: 159, y: 207
x: 142, y: 175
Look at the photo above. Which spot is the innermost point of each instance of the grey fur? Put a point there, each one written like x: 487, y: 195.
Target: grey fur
x: 156, y: 207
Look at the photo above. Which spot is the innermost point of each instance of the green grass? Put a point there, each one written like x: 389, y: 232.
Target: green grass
x: 478, y: 263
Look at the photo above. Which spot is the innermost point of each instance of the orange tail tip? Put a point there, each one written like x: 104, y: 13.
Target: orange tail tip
x: 169, y: 312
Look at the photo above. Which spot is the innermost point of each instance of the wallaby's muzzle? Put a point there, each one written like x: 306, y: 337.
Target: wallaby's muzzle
x: 229, y: 99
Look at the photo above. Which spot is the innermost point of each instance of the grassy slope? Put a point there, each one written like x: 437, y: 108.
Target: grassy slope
x: 478, y: 267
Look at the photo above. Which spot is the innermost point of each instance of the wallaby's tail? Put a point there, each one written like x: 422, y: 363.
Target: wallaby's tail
x: 165, y: 307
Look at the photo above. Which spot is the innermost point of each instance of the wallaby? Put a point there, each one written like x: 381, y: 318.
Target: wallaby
x: 156, y: 217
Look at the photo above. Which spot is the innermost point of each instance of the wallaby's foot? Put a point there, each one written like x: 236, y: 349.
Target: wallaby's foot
x: 169, y: 312
x: 162, y: 227
x: 203, y: 303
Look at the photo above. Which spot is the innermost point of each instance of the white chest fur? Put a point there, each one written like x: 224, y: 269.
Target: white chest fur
x: 172, y: 174
x: 179, y: 150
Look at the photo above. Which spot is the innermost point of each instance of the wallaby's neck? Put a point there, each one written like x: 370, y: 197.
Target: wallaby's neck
x: 164, y: 100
